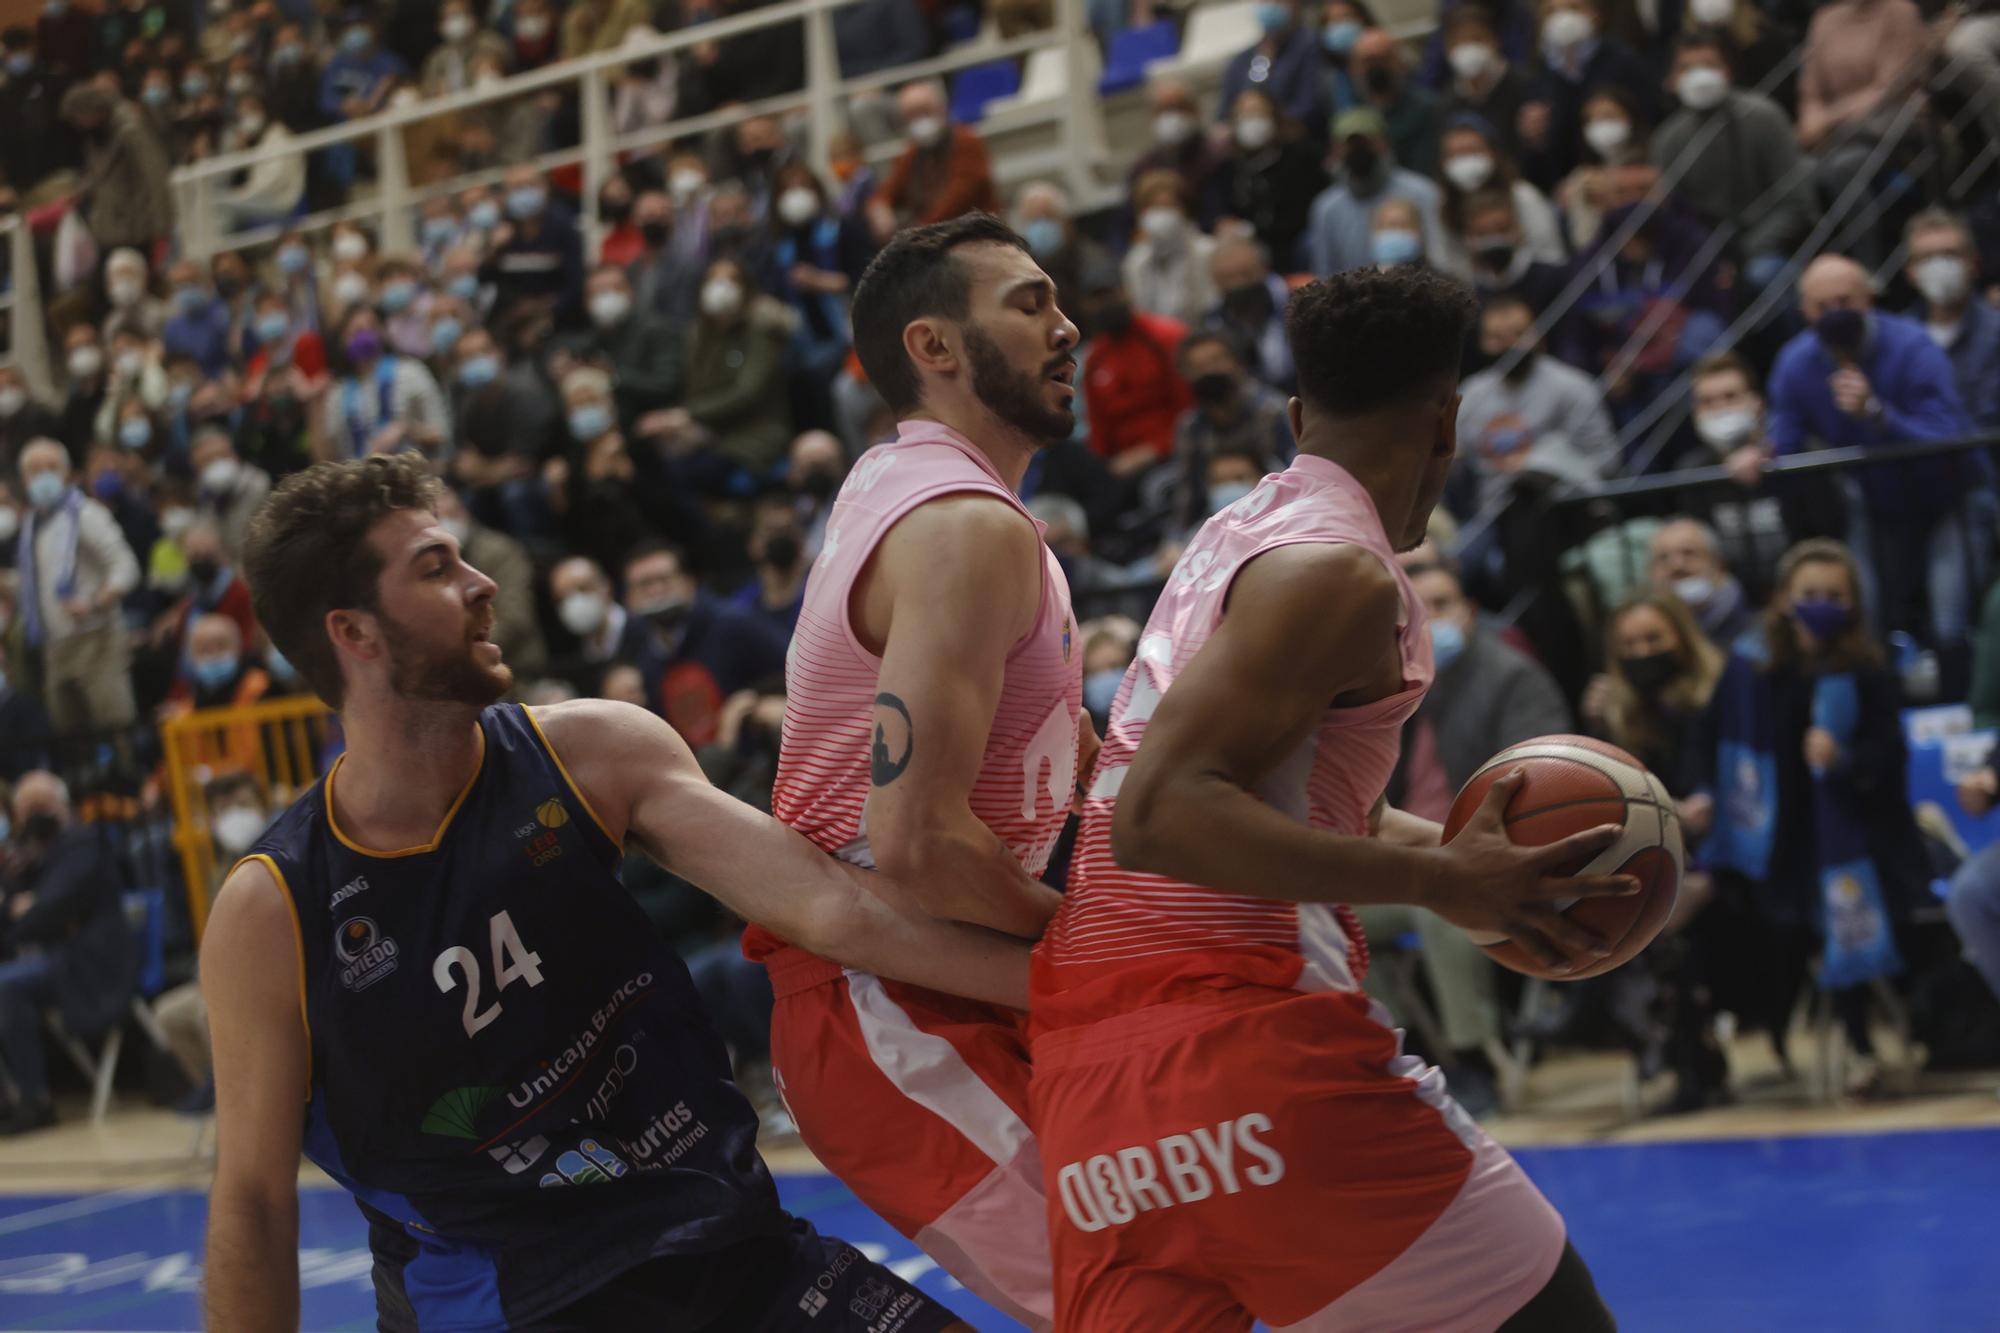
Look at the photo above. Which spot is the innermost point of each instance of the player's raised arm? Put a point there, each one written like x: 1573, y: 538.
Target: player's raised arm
x: 956, y: 585
x: 1310, y: 627
x: 640, y: 778
x: 250, y: 978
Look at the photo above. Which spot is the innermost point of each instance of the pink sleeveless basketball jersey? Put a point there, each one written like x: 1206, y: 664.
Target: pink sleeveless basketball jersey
x: 1029, y: 771
x: 1123, y: 939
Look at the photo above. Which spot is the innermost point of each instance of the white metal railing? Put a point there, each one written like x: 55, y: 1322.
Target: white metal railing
x: 824, y: 96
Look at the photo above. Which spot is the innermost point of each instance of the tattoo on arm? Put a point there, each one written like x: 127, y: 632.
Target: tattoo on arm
x: 885, y: 768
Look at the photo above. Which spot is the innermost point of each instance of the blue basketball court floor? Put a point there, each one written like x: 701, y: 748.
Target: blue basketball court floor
x: 1876, y: 1233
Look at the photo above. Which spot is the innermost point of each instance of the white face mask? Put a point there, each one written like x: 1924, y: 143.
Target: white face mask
x: 1694, y: 590
x: 531, y: 27
x: 607, y: 308
x: 1943, y: 279
x: 1725, y: 428
x: 1172, y: 128
x: 85, y: 362
x: 220, y: 475
x: 583, y: 613
x: 10, y: 524
x: 176, y: 521
x: 1468, y: 171
x: 1565, y: 29
x: 12, y: 399
x: 1702, y: 87
x: 350, y: 289
x: 798, y: 206
x: 251, y: 126
x: 721, y: 298
x: 126, y: 365
x: 685, y: 183
x: 349, y: 246
x: 1710, y: 13
x: 927, y: 130
x: 1469, y: 60
x: 1162, y: 225
x: 457, y: 27
x: 125, y: 292
x: 1253, y: 132
x: 237, y: 828
x: 1606, y: 137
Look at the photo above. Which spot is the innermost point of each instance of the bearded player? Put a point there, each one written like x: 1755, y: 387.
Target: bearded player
x: 1230, y: 1127
x: 931, y: 729
x: 428, y: 976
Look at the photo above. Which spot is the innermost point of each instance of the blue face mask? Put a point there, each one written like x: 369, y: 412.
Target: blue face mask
x: 485, y: 215
x: 292, y: 259
x: 589, y: 421
x: 273, y: 325
x: 287, y: 54
x: 465, y: 286
x: 1447, y: 642
x: 1392, y: 248
x: 445, y: 335
x: 1227, y: 494
x: 211, y: 672
x: 1274, y: 18
x: 178, y: 395
x: 1825, y: 619
x: 1044, y: 236
x: 526, y: 201
x: 1340, y: 37
x: 439, y: 231
x: 20, y: 64
x: 1100, y: 688
x: 396, y: 296
x: 108, y: 486
x: 1844, y: 332
x: 47, y: 490
x: 187, y: 300
x: 155, y: 96
x: 355, y: 40
x: 194, y: 86
x: 476, y: 371
x: 133, y: 433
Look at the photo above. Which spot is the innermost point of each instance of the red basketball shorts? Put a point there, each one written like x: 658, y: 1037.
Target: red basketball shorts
x: 919, y: 1102
x: 1274, y: 1155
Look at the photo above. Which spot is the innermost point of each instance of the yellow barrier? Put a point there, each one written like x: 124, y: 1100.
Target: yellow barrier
x: 277, y: 742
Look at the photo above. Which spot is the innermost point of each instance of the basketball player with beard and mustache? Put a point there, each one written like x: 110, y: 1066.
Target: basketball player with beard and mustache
x: 427, y: 975
x: 934, y: 729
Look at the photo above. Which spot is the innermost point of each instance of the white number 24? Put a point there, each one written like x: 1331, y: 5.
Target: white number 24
x: 512, y: 961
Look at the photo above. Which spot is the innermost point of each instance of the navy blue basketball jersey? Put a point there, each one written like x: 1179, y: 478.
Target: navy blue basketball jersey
x: 510, y: 1071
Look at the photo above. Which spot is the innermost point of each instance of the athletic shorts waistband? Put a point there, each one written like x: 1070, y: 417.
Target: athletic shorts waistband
x: 793, y: 970
x: 1120, y: 1034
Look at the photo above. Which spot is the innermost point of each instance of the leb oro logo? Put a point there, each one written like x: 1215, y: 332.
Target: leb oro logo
x: 366, y: 954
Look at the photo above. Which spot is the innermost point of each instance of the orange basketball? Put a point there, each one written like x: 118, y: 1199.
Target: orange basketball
x: 1573, y: 784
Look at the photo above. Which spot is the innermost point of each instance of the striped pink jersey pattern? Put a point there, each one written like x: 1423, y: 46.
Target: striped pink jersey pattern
x: 1123, y: 938
x: 1028, y: 774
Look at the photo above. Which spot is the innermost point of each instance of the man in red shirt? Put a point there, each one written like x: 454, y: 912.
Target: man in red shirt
x: 1132, y: 387
x: 945, y: 170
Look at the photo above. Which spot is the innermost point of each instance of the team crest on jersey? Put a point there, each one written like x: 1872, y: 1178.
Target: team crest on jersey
x: 543, y: 846
x: 365, y: 953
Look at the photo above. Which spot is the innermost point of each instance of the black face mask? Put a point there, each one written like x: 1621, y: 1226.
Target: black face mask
x: 1248, y: 304
x: 669, y: 619
x: 1524, y: 367
x: 820, y: 483
x: 781, y: 550
x: 228, y: 286
x: 41, y: 829
x: 1361, y: 159
x: 1498, y: 256
x: 1649, y: 674
x: 727, y: 240
x: 655, y: 234
x: 615, y: 214
x: 1379, y: 81
x: 203, y: 571
x: 1215, y: 388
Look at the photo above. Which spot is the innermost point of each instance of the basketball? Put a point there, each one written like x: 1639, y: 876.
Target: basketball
x: 1574, y: 784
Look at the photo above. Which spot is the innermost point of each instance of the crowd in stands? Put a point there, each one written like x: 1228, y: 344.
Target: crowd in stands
x: 1720, y: 234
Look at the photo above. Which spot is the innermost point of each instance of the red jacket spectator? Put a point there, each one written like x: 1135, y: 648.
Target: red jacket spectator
x: 622, y: 244
x: 1133, y: 392
x: 926, y: 187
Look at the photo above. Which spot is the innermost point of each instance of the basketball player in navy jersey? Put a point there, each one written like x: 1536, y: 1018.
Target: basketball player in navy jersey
x: 427, y: 976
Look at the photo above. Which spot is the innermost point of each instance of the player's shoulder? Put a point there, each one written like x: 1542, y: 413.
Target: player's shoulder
x: 968, y: 532
x: 1317, y: 591
x: 583, y: 730
x: 253, y: 918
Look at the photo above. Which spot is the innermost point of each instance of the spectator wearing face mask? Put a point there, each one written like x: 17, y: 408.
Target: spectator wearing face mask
x: 777, y: 550
x: 199, y: 324
x: 1729, y: 417
x: 944, y: 171
x: 1252, y: 309
x: 1284, y: 63
x: 361, y: 75
x: 1133, y: 391
x: 216, y: 673
x: 1396, y: 237
x: 1269, y: 180
x: 1474, y: 161
x: 1179, y: 146
x: 22, y: 418
x: 214, y: 586
x: 403, y: 299
x: 1748, y: 153
x: 231, y: 490
x: 1167, y: 268
x: 75, y: 570
x: 273, y: 187
x: 814, y: 469
x: 1529, y: 412
x: 1577, y: 59
x: 706, y: 649
x: 603, y: 631
x: 1614, y: 169
x: 1487, y: 227
x: 664, y: 279
x: 449, y: 67
x: 644, y: 352
x: 1409, y: 111
x: 1943, y: 267
x: 125, y: 278
x: 1342, y: 215
x: 736, y: 420
x: 1862, y: 377
x: 118, y: 477
x: 537, y: 253
x: 1042, y: 217
x: 1484, y: 82
x: 89, y: 388
x: 1685, y: 562
x: 137, y: 378
x: 123, y: 189
x: 1762, y: 45
x: 376, y: 402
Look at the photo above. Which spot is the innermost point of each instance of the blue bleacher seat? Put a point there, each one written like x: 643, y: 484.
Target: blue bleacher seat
x: 961, y: 24
x: 1132, y: 50
x: 977, y: 85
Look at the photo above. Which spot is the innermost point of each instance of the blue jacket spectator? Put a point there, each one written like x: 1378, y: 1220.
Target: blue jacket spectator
x: 200, y: 324
x: 1342, y: 217
x: 360, y: 76
x: 1944, y: 269
x: 1286, y: 64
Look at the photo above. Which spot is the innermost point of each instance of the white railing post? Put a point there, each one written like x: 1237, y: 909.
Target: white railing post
x: 822, y: 86
x: 396, y: 231
x: 194, y: 204
x: 1082, y: 127
x: 596, y: 131
x: 27, y: 330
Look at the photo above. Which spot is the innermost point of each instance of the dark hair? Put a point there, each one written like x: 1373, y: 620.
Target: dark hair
x: 1229, y: 342
x: 307, y: 553
x: 1470, y: 16
x: 337, y: 359
x: 646, y: 550
x: 1707, y: 39
x: 914, y: 277
x: 1724, y: 363
x: 1370, y: 338
x: 1854, y: 647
